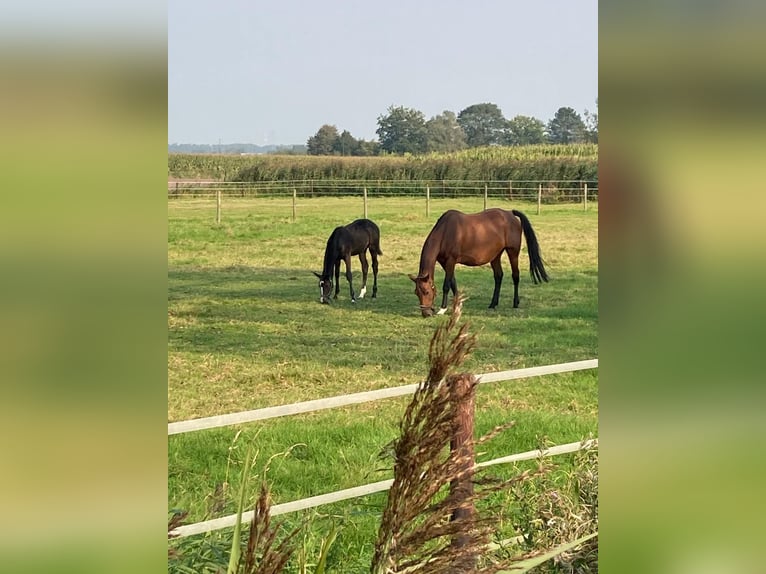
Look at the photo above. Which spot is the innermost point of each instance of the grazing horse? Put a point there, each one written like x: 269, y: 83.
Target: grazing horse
x: 352, y: 239
x: 473, y: 240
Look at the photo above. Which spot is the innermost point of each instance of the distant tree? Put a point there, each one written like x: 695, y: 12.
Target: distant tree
x: 524, y: 130
x: 483, y: 124
x: 566, y: 127
x: 346, y: 144
x: 443, y: 133
x: 402, y: 130
x: 368, y: 148
x: 591, y: 125
x: 323, y: 142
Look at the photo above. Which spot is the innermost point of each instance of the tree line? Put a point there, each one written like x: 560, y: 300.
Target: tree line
x: 403, y: 130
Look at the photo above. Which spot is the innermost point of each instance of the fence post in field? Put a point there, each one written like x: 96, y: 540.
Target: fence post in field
x: 295, y: 193
x: 585, y: 197
x: 510, y: 189
x: 539, y: 197
x: 218, y: 206
x: 428, y: 201
x: 365, y: 203
x: 485, y: 197
x: 462, y: 447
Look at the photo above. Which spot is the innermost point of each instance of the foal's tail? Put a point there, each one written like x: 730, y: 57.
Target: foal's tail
x: 536, y: 267
x: 375, y: 239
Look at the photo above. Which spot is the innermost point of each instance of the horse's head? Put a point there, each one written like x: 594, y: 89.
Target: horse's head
x: 426, y: 292
x: 325, y: 287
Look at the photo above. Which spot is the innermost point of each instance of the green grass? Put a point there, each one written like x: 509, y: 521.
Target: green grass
x: 246, y: 330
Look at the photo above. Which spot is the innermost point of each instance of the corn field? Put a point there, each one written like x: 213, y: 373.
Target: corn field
x: 564, y: 163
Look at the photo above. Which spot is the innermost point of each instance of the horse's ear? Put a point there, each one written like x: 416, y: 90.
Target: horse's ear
x: 412, y: 277
x: 317, y: 274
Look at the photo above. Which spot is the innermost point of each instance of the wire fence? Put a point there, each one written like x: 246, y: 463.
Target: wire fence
x: 543, y: 192
x: 553, y: 191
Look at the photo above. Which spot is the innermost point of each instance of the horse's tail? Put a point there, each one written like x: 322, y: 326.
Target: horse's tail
x: 536, y: 267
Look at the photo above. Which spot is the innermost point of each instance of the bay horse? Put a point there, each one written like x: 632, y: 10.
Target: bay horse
x: 475, y: 239
x: 356, y: 238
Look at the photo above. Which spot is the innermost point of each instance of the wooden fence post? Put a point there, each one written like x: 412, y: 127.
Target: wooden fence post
x: 539, y: 197
x: 295, y: 193
x: 428, y: 201
x: 462, y: 447
x: 485, y: 197
x: 218, y: 206
x: 585, y: 197
x: 365, y: 203
x: 510, y: 189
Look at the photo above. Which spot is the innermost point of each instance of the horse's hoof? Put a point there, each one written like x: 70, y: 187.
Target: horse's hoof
x: 353, y: 300
x: 441, y: 311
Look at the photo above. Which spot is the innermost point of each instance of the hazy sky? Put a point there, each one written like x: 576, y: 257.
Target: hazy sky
x: 274, y: 72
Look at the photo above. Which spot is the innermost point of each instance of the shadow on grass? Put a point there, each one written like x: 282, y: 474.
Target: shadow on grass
x: 275, y: 313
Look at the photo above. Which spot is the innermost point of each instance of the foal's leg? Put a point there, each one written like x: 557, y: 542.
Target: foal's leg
x: 374, y: 273
x: 365, y: 267
x: 497, y: 269
x: 449, y: 283
x: 347, y: 259
x: 513, y: 257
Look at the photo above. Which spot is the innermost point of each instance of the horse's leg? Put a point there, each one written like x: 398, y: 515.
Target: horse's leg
x: 337, y: 278
x: 497, y: 269
x: 449, y: 283
x: 513, y: 257
x: 347, y: 259
x: 374, y: 273
x: 365, y: 267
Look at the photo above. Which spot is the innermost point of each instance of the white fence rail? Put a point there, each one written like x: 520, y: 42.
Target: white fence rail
x: 358, y: 491
x: 364, y: 490
x: 363, y: 397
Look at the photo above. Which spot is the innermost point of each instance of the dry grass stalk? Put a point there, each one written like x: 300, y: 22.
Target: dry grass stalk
x: 175, y: 521
x: 418, y: 533
x: 261, y: 557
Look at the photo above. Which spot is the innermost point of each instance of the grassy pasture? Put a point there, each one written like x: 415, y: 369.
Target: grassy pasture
x: 245, y: 330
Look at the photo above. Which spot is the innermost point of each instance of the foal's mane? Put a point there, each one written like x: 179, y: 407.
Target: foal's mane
x: 331, y: 251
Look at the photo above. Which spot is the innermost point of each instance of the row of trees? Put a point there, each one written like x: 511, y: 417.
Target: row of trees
x: 404, y: 130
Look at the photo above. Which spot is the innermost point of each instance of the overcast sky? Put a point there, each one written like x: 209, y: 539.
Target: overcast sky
x: 247, y: 71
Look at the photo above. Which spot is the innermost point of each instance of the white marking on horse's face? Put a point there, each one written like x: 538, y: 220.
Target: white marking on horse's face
x: 441, y: 311
x: 362, y: 292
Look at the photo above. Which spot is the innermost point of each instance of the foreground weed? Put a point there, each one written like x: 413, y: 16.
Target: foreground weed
x: 423, y: 529
x: 551, y: 510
